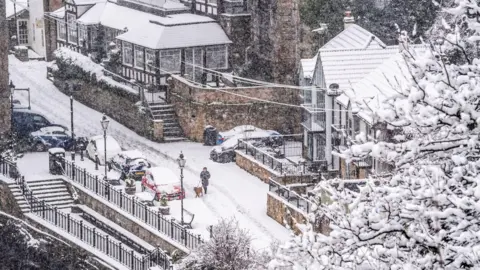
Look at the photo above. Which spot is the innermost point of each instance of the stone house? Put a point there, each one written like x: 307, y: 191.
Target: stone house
x: 331, y: 121
x: 155, y: 40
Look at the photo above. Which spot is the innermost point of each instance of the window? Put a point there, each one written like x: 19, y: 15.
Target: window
x: 61, y: 31
x: 22, y: 32
x: 82, y: 35
x: 139, y: 57
x: 151, y: 60
x: 72, y: 28
x: 170, y: 60
x: 217, y: 57
x: 127, y: 54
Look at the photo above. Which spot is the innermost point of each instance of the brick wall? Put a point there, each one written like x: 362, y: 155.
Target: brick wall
x: 199, y: 107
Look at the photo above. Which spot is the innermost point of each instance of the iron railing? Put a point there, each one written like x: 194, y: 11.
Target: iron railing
x: 169, y: 227
x: 85, y: 233
x: 290, y: 196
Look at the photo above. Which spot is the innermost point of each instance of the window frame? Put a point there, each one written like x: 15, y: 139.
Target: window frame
x: 137, y: 50
x: 172, y: 52
x: 72, y: 28
x: 19, y: 21
x: 150, y: 52
x: 210, y: 50
x: 129, y: 47
x: 61, y: 26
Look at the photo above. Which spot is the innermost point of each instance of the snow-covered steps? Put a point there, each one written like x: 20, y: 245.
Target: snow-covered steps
x: 17, y: 194
x: 53, y: 191
x: 166, y: 113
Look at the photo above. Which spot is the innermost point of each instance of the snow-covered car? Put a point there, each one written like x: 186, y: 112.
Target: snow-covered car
x: 96, y: 144
x: 129, y: 163
x: 79, y: 143
x: 49, y: 137
x: 225, y: 152
x: 225, y: 135
x: 162, y: 181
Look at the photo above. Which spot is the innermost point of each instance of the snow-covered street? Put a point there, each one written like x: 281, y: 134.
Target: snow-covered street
x: 233, y: 192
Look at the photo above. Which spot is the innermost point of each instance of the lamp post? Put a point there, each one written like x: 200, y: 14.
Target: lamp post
x: 12, y: 89
x: 73, y: 133
x: 105, y: 123
x: 181, y: 163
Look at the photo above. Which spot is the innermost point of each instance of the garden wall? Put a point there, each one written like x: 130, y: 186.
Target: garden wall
x: 197, y: 107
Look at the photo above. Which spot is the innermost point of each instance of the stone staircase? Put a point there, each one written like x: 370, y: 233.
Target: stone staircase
x: 53, y: 191
x: 172, y: 131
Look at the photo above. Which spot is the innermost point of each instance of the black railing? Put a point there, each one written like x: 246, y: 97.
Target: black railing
x: 275, y: 157
x: 89, y: 235
x: 132, y: 206
x: 290, y: 196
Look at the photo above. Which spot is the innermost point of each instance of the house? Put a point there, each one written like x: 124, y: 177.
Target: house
x: 155, y: 38
x: 330, y: 120
x: 17, y: 15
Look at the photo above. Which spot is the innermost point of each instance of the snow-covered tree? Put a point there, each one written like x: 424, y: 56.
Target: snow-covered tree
x: 228, y: 249
x: 427, y: 215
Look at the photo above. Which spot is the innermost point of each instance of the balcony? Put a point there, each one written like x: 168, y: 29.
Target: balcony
x: 314, y: 119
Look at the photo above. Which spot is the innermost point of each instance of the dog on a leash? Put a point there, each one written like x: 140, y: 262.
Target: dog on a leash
x: 198, y: 191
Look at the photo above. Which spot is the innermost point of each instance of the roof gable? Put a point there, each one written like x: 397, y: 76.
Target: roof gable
x: 354, y: 37
x: 10, y: 8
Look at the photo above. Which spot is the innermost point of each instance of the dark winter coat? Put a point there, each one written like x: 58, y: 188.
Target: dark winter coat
x: 205, y: 176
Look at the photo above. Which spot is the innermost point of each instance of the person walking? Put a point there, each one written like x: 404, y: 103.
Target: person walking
x: 205, y: 176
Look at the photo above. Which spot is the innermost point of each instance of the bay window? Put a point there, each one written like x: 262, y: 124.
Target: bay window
x: 217, y: 57
x: 150, y: 60
x: 72, y: 28
x: 61, y: 31
x: 139, y: 57
x: 170, y: 61
x: 127, y: 54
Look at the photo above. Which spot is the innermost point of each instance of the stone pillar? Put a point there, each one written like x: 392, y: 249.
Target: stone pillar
x: 158, y: 130
x: 4, y: 89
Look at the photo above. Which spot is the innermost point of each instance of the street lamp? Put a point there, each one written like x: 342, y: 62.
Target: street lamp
x: 181, y: 163
x: 105, y: 123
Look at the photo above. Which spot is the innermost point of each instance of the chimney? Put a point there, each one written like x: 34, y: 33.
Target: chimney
x: 348, y: 20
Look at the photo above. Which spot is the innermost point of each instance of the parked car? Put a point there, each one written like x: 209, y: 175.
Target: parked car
x: 129, y: 163
x: 225, y: 135
x: 162, y: 181
x: 225, y: 152
x: 48, y: 137
x: 96, y: 145
x: 80, y: 143
x: 27, y: 121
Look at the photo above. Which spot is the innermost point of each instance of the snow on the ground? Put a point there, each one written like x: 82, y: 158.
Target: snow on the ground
x: 232, y: 192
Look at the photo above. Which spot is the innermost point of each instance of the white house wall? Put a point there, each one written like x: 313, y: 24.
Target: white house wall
x: 37, y: 27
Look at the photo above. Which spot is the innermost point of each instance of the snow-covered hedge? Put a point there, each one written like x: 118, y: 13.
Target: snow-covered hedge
x: 73, y: 65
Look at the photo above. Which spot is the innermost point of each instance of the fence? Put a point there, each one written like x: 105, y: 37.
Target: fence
x: 83, y: 232
x: 289, y: 195
x: 152, y: 218
x: 269, y: 153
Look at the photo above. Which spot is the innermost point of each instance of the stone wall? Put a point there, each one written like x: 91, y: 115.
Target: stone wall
x: 115, y: 103
x: 237, y: 28
x: 4, y: 89
x: 278, y: 210
x: 198, y: 107
x: 8, y: 204
x: 128, y: 224
x: 264, y: 173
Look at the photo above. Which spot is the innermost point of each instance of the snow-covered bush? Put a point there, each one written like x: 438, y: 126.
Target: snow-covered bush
x: 229, y: 248
x: 426, y: 216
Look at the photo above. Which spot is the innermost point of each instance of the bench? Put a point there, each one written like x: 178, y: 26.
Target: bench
x: 188, y: 225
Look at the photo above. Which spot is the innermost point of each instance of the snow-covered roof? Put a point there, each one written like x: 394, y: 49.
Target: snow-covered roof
x: 156, y: 36
x: 383, y: 82
x: 10, y: 7
x: 119, y: 17
x: 346, y: 67
x: 308, y: 66
x: 160, y: 4
x: 353, y: 37
x: 59, y: 13
x: 85, y: 2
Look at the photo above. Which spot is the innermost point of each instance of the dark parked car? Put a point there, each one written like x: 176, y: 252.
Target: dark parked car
x: 27, y: 121
x: 80, y: 143
x: 49, y: 137
x: 130, y: 163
